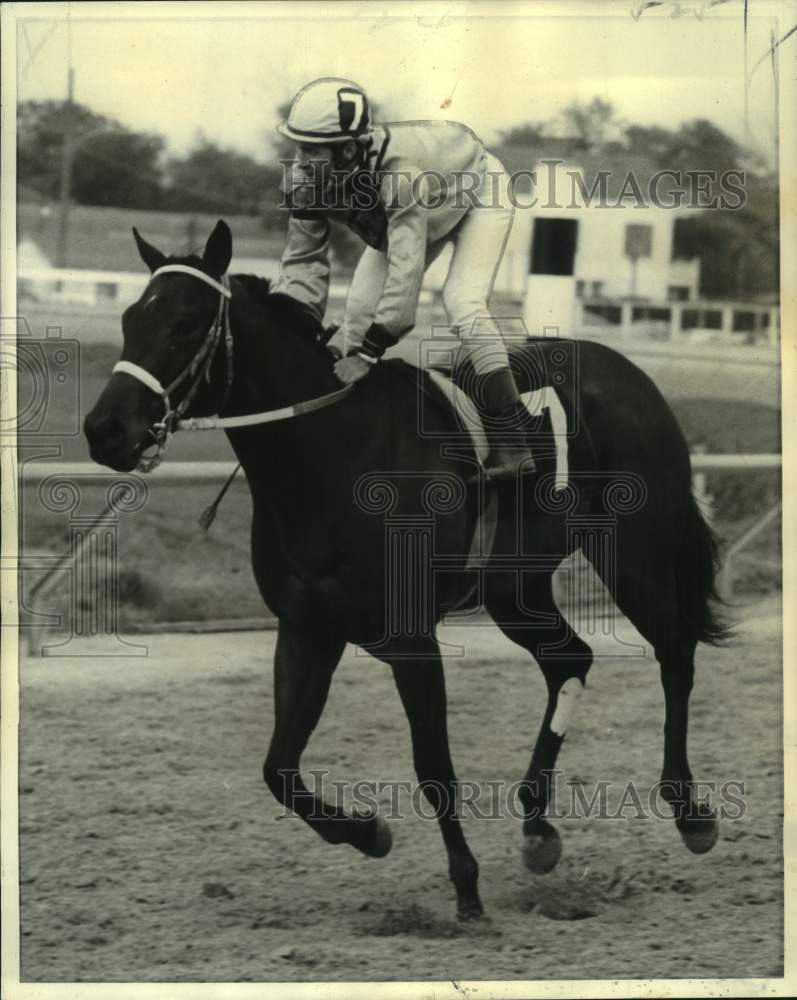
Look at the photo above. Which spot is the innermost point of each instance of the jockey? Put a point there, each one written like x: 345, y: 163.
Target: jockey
x: 407, y: 190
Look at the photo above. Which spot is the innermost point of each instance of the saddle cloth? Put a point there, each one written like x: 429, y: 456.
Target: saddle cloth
x: 467, y: 417
x: 536, y: 403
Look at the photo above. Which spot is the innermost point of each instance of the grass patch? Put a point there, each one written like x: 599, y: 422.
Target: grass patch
x: 102, y: 237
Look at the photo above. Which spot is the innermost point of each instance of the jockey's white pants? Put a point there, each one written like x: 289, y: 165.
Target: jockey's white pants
x: 479, y: 242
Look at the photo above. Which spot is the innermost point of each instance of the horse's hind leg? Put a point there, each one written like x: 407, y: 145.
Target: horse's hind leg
x: 645, y: 590
x: 564, y: 659
x: 421, y: 686
x: 696, y: 821
x: 303, y: 668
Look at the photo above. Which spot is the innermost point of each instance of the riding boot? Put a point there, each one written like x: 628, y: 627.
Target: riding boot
x: 504, y: 418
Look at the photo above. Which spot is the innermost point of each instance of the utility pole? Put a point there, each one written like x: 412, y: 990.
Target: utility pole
x: 67, y: 153
x: 634, y: 265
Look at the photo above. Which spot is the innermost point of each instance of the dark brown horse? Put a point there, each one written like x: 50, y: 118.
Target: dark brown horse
x: 363, y: 522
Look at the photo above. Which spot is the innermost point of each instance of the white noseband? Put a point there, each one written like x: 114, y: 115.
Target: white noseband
x: 149, y: 380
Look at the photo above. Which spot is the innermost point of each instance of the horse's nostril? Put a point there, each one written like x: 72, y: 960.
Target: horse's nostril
x: 114, y: 432
x: 108, y: 433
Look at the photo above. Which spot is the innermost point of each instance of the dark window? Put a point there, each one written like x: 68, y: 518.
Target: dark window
x: 612, y: 314
x: 677, y: 293
x: 580, y: 285
x: 597, y: 289
x: 744, y: 321
x: 656, y: 313
x: 706, y: 319
x: 684, y: 238
x: 553, y: 246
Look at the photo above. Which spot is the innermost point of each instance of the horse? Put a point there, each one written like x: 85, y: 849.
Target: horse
x: 332, y: 470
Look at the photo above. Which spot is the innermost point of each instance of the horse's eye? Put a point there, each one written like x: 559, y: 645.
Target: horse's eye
x: 184, y: 327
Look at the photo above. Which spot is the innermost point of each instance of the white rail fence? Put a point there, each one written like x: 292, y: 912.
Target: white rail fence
x: 688, y: 323
x: 211, y: 472
x: 77, y: 286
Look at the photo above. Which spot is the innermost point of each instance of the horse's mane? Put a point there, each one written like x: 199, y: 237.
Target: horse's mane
x: 289, y: 313
x: 259, y: 288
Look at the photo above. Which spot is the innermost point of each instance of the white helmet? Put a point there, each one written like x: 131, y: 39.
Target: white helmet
x: 326, y: 111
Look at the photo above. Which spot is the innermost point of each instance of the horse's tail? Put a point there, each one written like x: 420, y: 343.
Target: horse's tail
x: 698, y: 563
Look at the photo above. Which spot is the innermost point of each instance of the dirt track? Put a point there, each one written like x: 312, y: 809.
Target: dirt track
x: 150, y: 848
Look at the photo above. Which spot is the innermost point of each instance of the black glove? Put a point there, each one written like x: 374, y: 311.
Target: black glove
x: 377, y: 341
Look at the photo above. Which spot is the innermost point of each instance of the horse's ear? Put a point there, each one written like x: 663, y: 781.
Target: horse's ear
x: 218, y: 249
x: 151, y: 256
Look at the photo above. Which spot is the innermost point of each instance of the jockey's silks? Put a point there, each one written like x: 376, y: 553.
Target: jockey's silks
x: 419, y: 181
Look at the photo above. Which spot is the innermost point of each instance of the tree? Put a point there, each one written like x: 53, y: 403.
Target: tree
x: 738, y: 250
x: 119, y: 168
x: 213, y: 179
x: 592, y: 124
x: 528, y: 134
x: 695, y: 145
x: 111, y: 164
x: 651, y: 141
x: 40, y: 140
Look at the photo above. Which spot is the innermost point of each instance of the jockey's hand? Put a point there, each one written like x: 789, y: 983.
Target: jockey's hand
x: 351, y: 369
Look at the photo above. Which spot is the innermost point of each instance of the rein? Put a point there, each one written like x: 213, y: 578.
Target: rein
x: 199, y: 366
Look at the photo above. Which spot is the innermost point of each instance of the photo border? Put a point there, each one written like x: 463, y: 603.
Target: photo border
x: 10, y: 986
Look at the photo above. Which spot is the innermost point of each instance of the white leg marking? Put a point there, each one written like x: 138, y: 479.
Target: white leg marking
x: 566, y: 701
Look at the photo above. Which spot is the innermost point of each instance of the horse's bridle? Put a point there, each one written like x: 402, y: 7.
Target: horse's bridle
x: 199, y: 366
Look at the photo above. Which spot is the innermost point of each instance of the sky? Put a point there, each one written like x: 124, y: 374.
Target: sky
x: 225, y: 71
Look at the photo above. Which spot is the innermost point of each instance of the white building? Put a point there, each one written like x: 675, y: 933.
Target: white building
x: 574, y: 238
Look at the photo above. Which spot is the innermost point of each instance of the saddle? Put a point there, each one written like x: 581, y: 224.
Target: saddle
x: 547, y: 426
x: 466, y: 438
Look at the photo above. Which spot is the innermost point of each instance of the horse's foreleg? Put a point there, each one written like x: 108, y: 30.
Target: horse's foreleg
x: 542, y: 846
x: 303, y: 670
x: 421, y: 685
x: 564, y: 659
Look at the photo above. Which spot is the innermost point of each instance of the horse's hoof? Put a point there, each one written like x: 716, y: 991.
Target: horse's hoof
x: 542, y: 849
x: 699, y: 832
x: 472, y: 910
x: 380, y: 840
